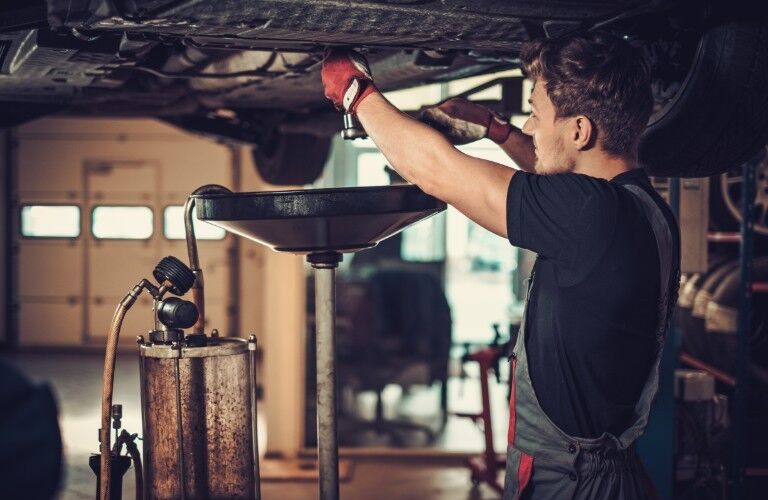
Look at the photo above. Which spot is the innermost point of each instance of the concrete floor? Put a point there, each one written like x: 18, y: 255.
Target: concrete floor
x: 393, y: 479
x: 76, y: 380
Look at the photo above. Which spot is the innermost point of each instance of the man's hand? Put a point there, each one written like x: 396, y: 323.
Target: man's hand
x: 462, y: 121
x: 346, y: 78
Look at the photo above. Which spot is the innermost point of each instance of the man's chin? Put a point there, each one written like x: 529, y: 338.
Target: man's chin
x: 542, y: 168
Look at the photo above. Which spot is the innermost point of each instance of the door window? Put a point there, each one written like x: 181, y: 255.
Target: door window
x: 50, y: 221
x: 122, y: 222
x: 173, y: 225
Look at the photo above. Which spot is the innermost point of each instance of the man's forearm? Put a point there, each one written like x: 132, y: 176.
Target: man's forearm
x: 404, y: 140
x: 423, y: 156
x: 519, y: 147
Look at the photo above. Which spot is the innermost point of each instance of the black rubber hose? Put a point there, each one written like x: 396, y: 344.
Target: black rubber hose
x: 133, y: 451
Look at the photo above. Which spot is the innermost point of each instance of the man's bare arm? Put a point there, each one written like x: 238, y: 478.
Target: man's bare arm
x: 519, y: 147
x: 423, y: 156
x: 462, y: 121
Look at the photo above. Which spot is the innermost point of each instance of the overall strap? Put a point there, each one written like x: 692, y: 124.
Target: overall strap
x: 664, y: 246
x: 667, y: 275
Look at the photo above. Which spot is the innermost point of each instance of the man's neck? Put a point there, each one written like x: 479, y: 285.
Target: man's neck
x: 598, y: 164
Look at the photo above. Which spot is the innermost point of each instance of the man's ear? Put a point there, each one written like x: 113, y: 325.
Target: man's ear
x: 583, y: 133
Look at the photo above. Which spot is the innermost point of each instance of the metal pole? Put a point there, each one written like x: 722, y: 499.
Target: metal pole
x: 254, y: 415
x: 741, y: 393
x: 325, y: 339
x: 143, y: 390
x: 179, y: 427
x: 198, y: 288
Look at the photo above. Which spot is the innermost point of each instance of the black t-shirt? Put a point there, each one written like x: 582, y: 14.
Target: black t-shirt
x: 592, y: 310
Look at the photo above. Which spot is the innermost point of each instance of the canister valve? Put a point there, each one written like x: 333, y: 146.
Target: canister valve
x: 174, y: 312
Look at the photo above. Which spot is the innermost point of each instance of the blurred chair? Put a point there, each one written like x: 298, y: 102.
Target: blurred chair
x: 30, y: 441
x: 393, y: 328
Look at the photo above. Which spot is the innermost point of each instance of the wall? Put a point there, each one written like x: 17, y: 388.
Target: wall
x: 52, y: 157
x: 273, y: 306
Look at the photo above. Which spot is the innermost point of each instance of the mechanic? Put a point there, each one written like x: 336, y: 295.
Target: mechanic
x: 585, y: 364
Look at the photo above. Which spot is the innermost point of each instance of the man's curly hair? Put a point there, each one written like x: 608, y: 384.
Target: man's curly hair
x: 600, y: 76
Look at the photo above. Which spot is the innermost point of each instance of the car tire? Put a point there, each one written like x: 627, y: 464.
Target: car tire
x: 291, y: 159
x: 14, y: 114
x: 717, y: 119
x: 725, y: 203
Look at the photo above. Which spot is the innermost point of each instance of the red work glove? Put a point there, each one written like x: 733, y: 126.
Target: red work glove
x: 463, y: 121
x: 346, y: 78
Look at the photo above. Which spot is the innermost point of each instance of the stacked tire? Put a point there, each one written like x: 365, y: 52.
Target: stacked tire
x: 708, y: 310
x: 721, y: 322
x: 708, y: 307
x: 694, y: 297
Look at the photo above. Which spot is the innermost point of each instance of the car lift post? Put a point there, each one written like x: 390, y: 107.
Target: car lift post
x: 744, y: 329
x: 325, y: 264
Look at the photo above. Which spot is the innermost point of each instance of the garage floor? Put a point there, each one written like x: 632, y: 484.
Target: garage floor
x: 76, y: 379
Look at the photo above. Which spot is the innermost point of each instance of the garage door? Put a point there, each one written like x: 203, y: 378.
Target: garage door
x: 99, y: 205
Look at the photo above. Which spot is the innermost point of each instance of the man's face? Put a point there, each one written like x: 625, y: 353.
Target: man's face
x: 548, y: 133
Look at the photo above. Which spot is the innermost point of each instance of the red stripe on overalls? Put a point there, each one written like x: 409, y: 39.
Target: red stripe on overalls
x: 525, y: 465
x: 512, y: 403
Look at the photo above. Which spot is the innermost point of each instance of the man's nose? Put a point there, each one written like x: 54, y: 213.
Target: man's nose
x: 527, y: 127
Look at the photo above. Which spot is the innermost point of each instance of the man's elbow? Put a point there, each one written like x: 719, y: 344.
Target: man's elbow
x: 429, y: 185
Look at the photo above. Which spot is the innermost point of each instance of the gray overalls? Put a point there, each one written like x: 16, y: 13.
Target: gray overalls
x: 555, y: 465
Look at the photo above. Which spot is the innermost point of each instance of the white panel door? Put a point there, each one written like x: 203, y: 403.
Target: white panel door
x: 115, y: 262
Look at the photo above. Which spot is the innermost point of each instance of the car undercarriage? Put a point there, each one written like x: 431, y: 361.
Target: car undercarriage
x: 249, y: 70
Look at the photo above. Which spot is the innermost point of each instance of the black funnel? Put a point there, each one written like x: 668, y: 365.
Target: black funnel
x: 318, y: 220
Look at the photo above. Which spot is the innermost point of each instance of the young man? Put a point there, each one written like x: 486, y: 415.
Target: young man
x: 585, y: 364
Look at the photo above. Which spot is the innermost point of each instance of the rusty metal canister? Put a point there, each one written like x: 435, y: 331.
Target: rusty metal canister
x: 198, y: 421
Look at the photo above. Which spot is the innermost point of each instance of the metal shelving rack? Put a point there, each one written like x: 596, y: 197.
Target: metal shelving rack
x: 739, y: 469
